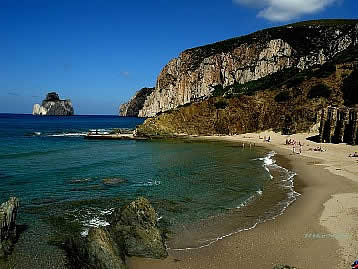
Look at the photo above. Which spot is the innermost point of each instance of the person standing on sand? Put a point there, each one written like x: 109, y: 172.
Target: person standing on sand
x: 294, y: 148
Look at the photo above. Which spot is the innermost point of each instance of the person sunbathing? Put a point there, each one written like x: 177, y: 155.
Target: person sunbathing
x: 353, y: 155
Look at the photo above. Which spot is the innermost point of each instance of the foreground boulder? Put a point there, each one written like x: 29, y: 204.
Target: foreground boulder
x: 97, y: 250
x: 284, y: 267
x: 53, y: 106
x: 135, y: 228
x: 8, y: 234
x: 133, y: 231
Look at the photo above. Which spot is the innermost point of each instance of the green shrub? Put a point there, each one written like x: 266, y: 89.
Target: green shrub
x: 220, y: 104
x: 350, y: 89
x: 319, y: 90
x: 283, y: 96
x: 325, y: 71
x: 218, y: 91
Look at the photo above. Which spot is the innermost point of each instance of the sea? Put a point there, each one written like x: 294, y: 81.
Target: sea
x: 203, y: 191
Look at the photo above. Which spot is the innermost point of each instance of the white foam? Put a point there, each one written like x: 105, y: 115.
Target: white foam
x: 68, y: 135
x: 84, y: 233
x: 268, y: 162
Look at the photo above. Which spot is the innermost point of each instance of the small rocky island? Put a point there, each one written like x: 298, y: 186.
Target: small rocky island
x: 53, y: 106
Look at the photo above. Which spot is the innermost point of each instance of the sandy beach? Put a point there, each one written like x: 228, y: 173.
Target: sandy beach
x: 317, y: 231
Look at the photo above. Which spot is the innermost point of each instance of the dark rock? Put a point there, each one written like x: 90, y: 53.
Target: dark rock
x: 284, y: 267
x: 51, y: 97
x: 133, y: 231
x: 339, y: 125
x: 54, y: 106
x: 133, y: 106
x: 97, y: 251
x: 135, y: 228
x: 8, y: 233
x: 113, y: 181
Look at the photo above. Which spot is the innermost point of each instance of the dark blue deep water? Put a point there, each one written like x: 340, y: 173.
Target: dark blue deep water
x: 58, y: 175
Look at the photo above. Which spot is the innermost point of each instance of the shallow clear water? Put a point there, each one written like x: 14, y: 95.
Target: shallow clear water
x: 46, y: 162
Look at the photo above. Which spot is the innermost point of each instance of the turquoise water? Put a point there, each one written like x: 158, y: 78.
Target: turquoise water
x: 46, y: 162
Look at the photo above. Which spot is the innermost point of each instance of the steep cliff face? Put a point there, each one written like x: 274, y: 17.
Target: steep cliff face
x: 287, y: 101
x: 53, y: 106
x: 196, y: 73
x: 339, y: 125
x: 133, y: 106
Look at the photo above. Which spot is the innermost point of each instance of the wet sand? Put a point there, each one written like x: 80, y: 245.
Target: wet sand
x: 317, y: 231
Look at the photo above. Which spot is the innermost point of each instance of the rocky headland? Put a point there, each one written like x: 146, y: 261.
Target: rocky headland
x: 133, y: 106
x: 8, y: 232
x: 133, y: 231
x: 54, y: 106
x: 279, y: 78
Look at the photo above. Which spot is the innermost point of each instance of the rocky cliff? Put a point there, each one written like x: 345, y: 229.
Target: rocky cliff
x: 290, y: 101
x: 339, y: 125
x: 53, y: 106
x: 8, y: 212
x: 197, y: 72
x: 133, y: 106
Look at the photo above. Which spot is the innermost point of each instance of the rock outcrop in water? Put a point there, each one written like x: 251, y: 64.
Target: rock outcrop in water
x: 8, y: 233
x: 339, y: 125
x: 133, y: 106
x: 132, y: 231
x: 53, y: 106
x: 198, y: 72
x: 135, y: 227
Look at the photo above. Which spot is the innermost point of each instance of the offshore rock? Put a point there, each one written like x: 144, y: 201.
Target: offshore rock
x: 8, y: 234
x: 133, y: 106
x: 132, y: 231
x: 135, y: 228
x: 53, y: 106
x: 284, y: 267
x: 196, y: 73
x: 97, y: 251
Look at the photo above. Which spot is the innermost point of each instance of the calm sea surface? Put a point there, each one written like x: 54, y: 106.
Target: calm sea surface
x: 58, y: 176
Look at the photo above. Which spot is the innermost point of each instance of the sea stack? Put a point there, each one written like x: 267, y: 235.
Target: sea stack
x: 53, y: 106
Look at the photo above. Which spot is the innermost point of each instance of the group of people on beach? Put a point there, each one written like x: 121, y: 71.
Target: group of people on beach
x: 355, y: 154
x: 318, y: 148
x: 296, y: 146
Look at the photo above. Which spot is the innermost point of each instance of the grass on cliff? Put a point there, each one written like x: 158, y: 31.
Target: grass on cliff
x: 290, y: 77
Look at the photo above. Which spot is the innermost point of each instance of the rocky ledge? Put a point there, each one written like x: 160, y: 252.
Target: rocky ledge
x: 133, y: 231
x: 54, y: 106
x: 8, y: 234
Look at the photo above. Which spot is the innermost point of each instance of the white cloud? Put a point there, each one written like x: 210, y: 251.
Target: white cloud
x: 124, y: 74
x: 284, y: 10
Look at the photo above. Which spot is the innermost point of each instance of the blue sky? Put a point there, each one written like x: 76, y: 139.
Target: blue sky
x: 99, y: 52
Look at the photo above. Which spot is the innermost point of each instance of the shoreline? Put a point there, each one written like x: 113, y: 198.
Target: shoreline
x: 317, y: 230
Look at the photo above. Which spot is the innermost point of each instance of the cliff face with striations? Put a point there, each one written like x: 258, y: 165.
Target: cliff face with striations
x: 133, y: 106
x: 197, y: 72
x: 53, y: 106
x: 339, y: 125
x: 289, y: 101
